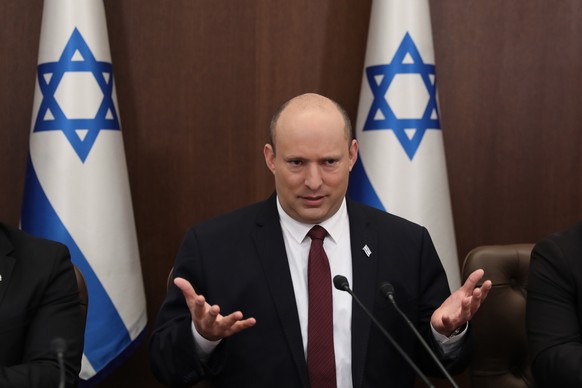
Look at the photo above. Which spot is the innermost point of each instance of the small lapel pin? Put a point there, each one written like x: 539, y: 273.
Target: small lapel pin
x: 367, y: 250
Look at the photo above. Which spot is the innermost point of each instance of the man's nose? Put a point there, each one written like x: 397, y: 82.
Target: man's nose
x: 313, y: 179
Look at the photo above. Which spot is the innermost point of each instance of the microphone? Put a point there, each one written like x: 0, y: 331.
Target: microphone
x: 59, y: 346
x: 341, y: 283
x: 387, y: 290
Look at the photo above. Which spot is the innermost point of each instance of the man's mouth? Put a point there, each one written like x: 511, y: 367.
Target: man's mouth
x: 313, y: 200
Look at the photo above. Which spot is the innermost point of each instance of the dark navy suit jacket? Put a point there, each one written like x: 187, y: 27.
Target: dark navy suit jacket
x: 238, y: 261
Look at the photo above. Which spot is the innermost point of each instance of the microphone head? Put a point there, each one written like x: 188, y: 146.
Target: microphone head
x: 58, y: 345
x: 341, y: 283
x: 386, y: 289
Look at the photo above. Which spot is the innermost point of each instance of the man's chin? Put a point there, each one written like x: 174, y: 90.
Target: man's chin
x: 312, y: 215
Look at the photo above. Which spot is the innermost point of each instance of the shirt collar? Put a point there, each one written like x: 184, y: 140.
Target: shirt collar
x: 298, y: 230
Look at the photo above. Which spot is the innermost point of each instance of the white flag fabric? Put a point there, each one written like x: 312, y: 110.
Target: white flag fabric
x: 401, y: 166
x: 77, y: 188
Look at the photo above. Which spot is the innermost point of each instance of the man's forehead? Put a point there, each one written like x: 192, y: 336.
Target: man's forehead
x: 310, y: 100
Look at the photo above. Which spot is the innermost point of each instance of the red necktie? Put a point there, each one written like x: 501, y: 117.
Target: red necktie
x: 320, y: 354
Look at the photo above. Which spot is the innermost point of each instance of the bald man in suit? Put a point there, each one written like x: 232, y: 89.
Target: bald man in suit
x: 254, y: 260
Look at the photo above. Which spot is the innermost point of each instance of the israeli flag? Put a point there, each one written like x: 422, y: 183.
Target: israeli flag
x: 401, y: 166
x: 77, y: 188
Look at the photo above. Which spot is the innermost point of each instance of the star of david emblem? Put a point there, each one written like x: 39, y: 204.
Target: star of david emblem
x: 406, y: 76
x: 77, y: 96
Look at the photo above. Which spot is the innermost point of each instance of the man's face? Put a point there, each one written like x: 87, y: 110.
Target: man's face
x: 313, y: 159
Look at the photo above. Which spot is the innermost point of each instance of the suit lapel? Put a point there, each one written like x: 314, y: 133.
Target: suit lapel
x: 271, y: 249
x: 6, y: 262
x: 365, y: 257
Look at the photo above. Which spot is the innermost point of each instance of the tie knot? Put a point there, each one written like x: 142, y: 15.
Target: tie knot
x: 318, y: 232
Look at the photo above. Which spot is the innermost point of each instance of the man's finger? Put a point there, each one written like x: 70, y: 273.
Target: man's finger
x: 186, y: 288
x: 229, y: 322
x: 485, y: 288
x: 209, y: 318
x: 242, y: 324
x: 472, y: 280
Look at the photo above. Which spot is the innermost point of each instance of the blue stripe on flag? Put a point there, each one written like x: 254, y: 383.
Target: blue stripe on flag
x: 107, y: 335
x: 361, y: 189
x: 97, y: 379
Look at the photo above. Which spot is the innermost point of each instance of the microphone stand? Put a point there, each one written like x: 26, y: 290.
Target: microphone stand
x: 341, y: 283
x: 59, y: 346
x: 387, y: 290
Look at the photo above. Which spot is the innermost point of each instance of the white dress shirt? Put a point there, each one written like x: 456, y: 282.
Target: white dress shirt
x: 338, y: 250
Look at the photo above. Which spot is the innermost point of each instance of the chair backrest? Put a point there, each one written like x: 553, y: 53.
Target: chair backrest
x: 170, y: 278
x: 83, y: 294
x: 501, y: 358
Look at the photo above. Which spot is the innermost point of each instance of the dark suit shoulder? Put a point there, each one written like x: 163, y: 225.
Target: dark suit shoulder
x: 17, y: 243
x: 562, y: 249
x: 48, y: 258
x: 568, y: 237
x: 234, y: 221
x: 382, y: 219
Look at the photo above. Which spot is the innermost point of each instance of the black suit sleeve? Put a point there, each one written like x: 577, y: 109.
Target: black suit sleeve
x: 173, y: 356
x: 552, y: 315
x: 435, y: 289
x: 51, y: 310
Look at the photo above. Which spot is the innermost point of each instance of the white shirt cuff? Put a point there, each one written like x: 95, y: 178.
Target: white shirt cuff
x: 449, y: 345
x: 204, y: 347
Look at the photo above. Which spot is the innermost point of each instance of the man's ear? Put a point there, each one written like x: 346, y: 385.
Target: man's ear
x: 353, y: 153
x: 269, y: 153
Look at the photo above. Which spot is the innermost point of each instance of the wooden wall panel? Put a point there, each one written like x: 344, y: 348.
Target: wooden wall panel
x: 197, y: 82
x: 19, y: 35
x: 511, y: 117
